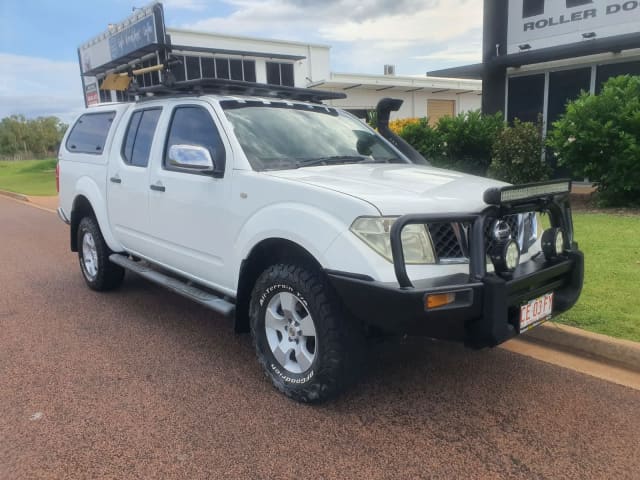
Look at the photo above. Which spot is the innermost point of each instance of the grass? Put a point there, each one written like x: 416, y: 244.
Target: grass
x: 29, y: 177
x: 610, y: 300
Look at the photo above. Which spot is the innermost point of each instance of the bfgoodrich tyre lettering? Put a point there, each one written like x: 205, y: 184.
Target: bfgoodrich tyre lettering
x: 304, y: 341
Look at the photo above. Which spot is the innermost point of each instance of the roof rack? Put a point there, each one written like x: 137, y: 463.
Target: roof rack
x: 203, y: 86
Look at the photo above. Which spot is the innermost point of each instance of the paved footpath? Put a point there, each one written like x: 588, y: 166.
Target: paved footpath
x: 141, y: 383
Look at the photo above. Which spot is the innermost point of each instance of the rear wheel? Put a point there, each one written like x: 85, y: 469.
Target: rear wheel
x: 309, y: 348
x: 93, y: 253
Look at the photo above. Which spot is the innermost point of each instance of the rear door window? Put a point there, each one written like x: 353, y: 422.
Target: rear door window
x: 139, y: 137
x: 89, y: 133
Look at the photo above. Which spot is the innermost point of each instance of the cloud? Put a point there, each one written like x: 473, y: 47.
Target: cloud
x: 364, y: 34
x: 193, y: 5
x: 33, y: 86
x: 468, y: 51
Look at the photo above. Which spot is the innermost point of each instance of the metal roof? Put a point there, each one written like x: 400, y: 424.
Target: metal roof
x: 396, y: 83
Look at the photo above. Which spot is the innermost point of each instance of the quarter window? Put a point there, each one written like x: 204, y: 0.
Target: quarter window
x: 89, y: 134
x: 193, y: 125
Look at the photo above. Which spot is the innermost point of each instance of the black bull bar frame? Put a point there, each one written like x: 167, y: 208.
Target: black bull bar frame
x: 497, y: 308
x: 555, y: 203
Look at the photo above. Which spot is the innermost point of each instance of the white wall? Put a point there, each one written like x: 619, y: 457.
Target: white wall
x: 415, y: 103
x: 315, y: 64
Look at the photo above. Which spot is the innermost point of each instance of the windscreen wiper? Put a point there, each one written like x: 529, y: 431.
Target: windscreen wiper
x: 335, y: 159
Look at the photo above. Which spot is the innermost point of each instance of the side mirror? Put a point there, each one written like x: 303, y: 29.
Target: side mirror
x: 192, y: 158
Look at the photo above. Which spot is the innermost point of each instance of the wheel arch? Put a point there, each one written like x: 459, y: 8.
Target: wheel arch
x: 81, y: 208
x: 90, y: 200
x: 267, y: 252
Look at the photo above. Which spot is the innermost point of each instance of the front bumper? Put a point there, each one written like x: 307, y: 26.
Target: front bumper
x: 486, y: 310
x: 485, y: 313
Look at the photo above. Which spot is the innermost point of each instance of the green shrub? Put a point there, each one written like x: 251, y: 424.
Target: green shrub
x: 517, y: 154
x: 599, y: 138
x: 423, y: 138
x: 459, y: 143
x: 467, y: 140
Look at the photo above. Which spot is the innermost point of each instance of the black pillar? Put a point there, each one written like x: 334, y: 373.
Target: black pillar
x: 494, y: 44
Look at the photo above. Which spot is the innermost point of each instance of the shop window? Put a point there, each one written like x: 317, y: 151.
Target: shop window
x: 193, y: 67
x: 179, y: 69
x: 280, y: 74
x: 286, y: 74
x: 222, y: 68
x: 105, y: 96
x: 249, y: 69
x: 208, y: 67
x: 605, y: 72
x: 564, y: 86
x: 526, y: 97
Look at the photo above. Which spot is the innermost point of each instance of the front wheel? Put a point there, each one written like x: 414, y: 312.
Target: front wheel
x: 309, y: 348
x: 93, y: 253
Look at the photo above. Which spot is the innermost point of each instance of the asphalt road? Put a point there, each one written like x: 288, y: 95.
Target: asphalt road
x: 141, y: 383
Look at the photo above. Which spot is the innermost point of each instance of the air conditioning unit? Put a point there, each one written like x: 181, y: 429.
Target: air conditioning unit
x: 389, y: 69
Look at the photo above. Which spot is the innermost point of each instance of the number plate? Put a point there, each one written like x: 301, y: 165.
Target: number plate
x: 536, y: 311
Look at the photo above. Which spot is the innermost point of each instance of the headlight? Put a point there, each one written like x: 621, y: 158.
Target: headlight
x: 374, y: 231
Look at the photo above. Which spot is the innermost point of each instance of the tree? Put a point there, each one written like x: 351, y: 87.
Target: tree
x: 599, y: 138
x: 37, y: 137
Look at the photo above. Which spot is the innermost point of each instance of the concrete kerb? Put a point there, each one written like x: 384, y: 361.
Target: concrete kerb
x: 17, y: 196
x: 602, y: 347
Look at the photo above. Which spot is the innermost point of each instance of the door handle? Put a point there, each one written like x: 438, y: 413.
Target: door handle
x: 157, y: 188
x: 116, y: 179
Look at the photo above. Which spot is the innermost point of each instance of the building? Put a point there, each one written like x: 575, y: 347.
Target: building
x: 142, y: 40
x: 423, y: 96
x: 539, y: 54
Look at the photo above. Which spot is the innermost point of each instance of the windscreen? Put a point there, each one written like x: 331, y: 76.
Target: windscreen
x: 281, y: 136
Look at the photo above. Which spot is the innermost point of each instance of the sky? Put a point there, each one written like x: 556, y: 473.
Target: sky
x: 39, y: 72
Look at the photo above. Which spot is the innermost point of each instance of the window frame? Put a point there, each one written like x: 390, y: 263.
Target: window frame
x: 280, y: 65
x: 123, y: 157
x: 219, y: 171
x: 93, y: 152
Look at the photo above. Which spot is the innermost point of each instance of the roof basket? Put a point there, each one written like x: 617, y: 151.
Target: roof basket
x: 205, y: 86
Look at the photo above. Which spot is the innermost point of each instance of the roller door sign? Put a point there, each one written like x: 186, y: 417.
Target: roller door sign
x: 536, y: 24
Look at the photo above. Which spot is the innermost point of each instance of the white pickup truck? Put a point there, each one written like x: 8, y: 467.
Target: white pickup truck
x: 308, y: 228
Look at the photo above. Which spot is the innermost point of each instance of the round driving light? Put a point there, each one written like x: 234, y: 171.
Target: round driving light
x: 505, y: 256
x: 559, y: 242
x: 552, y: 243
x: 511, y: 255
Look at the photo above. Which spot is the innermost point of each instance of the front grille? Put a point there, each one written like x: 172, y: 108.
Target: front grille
x: 447, y: 244
x: 445, y: 241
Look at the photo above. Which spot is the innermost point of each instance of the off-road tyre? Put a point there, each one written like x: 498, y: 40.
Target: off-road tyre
x: 108, y: 275
x: 339, y: 347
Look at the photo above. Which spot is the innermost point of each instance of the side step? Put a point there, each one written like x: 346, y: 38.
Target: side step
x: 196, y: 294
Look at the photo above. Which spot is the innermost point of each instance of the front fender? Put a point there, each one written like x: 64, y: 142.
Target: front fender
x: 310, y: 227
x: 87, y: 187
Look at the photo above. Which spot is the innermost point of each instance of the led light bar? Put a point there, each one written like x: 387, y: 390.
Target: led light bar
x: 518, y: 193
